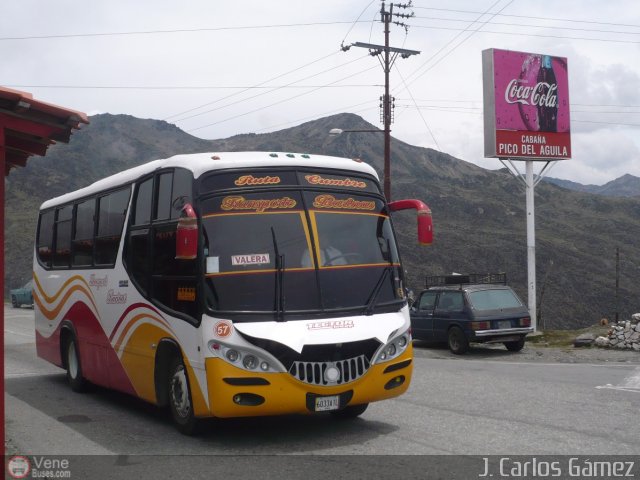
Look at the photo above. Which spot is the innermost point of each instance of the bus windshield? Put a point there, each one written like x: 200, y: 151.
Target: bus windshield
x: 279, y: 254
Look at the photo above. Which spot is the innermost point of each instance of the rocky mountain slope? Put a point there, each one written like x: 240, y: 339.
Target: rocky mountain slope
x: 479, y: 214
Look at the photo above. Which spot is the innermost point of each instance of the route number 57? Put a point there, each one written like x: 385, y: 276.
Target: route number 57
x: 222, y: 329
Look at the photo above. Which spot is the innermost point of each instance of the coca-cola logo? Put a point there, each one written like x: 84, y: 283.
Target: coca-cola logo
x: 542, y: 94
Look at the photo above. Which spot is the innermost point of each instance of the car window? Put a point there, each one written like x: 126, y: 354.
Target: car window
x: 427, y: 301
x: 451, y: 301
x: 494, y: 299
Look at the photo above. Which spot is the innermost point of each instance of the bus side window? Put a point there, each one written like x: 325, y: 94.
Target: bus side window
x: 163, y: 205
x: 141, y: 214
x: 112, y: 210
x: 62, y: 254
x: 45, y: 238
x: 82, y: 244
x: 181, y: 194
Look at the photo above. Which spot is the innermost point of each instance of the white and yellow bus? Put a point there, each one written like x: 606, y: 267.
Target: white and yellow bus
x: 228, y: 285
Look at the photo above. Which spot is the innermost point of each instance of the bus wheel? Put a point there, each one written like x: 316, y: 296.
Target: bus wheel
x: 351, y: 411
x: 180, y: 402
x: 74, y: 369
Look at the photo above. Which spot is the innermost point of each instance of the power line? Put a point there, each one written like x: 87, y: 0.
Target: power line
x: 459, y: 44
x: 270, y: 91
x: 174, y: 87
x: 573, y: 20
x: 608, y: 123
x: 419, y: 111
x: 534, y: 35
x: 180, y: 30
x: 356, y: 21
x: 330, y: 112
x: 274, y: 104
x: 258, y: 84
x: 535, y: 26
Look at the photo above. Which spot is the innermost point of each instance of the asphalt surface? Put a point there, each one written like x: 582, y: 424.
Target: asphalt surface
x: 540, y: 401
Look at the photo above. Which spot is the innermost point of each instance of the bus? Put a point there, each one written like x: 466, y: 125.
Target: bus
x: 228, y: 285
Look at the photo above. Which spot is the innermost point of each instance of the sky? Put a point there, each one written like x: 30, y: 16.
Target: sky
x: 217, y: 69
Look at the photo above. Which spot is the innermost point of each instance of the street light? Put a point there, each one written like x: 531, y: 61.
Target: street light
x: 337, y: 131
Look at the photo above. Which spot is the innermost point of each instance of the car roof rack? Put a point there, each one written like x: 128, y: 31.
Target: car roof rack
x: 466, y: 279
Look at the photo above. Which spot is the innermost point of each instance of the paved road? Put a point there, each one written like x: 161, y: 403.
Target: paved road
x: 477, y: 405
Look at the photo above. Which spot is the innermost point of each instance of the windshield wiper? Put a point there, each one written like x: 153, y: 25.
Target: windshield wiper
x: 279, y: 292
x: 371, y: 304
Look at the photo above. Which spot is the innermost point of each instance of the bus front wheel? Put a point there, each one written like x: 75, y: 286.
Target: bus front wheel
x: 180, y: 402
x: 74, y: 367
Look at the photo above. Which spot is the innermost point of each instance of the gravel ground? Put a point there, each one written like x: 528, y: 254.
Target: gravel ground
x: 530, y: 353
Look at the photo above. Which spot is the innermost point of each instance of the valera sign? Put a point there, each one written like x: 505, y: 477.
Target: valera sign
x: 526, y: 106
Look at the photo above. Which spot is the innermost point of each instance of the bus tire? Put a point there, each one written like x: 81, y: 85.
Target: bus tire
x: 352, y: 411
x: 73, y: 365
x: 180, y: 402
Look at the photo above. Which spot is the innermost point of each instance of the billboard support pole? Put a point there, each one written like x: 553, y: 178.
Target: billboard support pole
x: 530, y: 180
x: 531, y: 244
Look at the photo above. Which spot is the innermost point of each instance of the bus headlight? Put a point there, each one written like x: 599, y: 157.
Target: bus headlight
x: 246, y: 359
x: 394, y: 348
x: 250, y: 362
x: 232, y: 355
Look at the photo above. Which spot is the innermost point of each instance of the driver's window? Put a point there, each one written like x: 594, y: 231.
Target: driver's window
x: 427, y: 301
x: 451, y: 301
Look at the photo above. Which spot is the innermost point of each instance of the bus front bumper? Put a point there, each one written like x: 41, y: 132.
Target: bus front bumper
x: 234, y: 392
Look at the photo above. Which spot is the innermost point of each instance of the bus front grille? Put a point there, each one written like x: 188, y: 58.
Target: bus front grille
x: 330, y: 373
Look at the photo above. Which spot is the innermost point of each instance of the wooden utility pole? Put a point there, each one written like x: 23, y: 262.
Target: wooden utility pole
x: 389, y: 57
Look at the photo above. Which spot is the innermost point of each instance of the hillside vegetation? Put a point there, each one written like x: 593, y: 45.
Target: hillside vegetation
x: 479, y: 214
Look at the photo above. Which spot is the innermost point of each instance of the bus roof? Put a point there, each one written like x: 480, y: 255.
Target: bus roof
x: 199, y: 163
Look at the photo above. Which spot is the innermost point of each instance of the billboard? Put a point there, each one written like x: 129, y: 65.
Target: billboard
x: 526, y: 106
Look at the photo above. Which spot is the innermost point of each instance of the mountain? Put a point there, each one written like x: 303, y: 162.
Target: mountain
x: 479, y: 214
x: 625, y: 186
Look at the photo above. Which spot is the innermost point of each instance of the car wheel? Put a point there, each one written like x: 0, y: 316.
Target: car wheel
x: 351, y: 411
x: 457, y: 341
x: 14, y: 301
x: 515, y: 346
x: 74, y: 368
x: 180, y: 402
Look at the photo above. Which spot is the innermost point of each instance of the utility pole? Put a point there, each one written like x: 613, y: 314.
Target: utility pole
x: 617, y: 283
x: 389, y: 58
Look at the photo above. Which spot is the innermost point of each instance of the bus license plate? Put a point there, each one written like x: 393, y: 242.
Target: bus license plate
x: 325, y: 404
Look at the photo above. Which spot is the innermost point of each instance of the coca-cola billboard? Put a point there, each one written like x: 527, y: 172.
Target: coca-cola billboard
x: 526, y: 105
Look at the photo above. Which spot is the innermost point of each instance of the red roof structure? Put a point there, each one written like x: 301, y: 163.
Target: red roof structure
x: 27, y: 127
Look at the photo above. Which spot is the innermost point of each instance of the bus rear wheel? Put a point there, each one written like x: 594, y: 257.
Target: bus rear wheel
x: 180, y: 402
x: 74, y: 367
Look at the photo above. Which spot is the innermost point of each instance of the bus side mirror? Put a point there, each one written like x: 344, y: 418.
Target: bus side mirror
x: 187, y: 234
x: 425, y: 222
